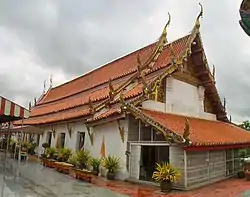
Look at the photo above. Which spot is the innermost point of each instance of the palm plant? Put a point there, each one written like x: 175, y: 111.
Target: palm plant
x: 95, y: 163
x: 64, y: 154
x: 166, y: 174
x: 83, y: 158
x: 112, y: 164
x: 50, y: 152
x: 72, y: 159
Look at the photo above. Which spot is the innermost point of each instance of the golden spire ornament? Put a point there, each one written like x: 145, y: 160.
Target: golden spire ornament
x: 111, y: 90
x: 164, y: 33
x: 91, y: 107
x: 197, y: 22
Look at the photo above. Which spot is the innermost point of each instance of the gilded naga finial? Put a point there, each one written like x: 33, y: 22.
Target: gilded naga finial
x: 164, y: 33
x: 172, y: 53
x: 91, y: 107
x: 144, y: 82
x: 122, y: 97
x: 197, y: 23
x: 111, y: 89
x: 139, y: 65
x: 122, y: 101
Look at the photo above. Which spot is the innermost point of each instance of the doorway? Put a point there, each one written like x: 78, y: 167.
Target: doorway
x: 150, y: 155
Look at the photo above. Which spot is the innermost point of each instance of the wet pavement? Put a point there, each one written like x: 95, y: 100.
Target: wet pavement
x: 30, y: 179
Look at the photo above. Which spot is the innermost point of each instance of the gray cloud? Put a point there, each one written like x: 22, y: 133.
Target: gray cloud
x: 68, y: 38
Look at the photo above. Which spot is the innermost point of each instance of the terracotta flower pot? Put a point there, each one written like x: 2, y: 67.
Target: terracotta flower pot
x: 241, y: 174
x: 110, y: 176
x: 247, y: 174
x: 166, y: 186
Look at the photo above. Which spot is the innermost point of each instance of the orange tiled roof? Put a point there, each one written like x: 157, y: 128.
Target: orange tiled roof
x: 202, y: 132
x: 60, y: 101
x: 116, y: 69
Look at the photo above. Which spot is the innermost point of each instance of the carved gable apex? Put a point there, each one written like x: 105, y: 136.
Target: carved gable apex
x: 200, y: 70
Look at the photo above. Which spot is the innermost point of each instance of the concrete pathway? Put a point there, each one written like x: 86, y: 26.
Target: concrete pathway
x: 30, y: 179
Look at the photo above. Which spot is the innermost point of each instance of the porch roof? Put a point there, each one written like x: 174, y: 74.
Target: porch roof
x: 10, y: 111
x: 25, y: 129
x: 202, y: 132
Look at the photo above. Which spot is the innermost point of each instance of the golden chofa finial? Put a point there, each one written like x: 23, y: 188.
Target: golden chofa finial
x: 164, y: 33
x: 122, y: 98
x: 197, y: 23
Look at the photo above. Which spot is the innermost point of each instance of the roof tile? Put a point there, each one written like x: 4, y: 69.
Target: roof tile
x: 76, y: 93
x: 202, y: 132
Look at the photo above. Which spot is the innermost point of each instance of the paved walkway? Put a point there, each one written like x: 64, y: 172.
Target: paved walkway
x: 228, y: 188
x: 31, y: 179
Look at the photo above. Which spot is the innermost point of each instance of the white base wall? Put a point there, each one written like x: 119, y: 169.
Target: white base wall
x: 113, y: 143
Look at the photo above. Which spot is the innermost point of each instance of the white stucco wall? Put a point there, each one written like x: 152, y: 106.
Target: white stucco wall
x: 70, y: 142
x: 113, y: 143
x: 110, y: 131
x: 185, y: 99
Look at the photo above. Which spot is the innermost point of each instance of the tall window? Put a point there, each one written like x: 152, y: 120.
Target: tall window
x: 62, y: 140
x: 49, y: 136
x: 80, y: 140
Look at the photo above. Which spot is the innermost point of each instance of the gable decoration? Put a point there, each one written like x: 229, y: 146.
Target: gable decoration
x: 53, y: 130
x: 121, y: 130
x: 91, y: 136
x: 69, y: 129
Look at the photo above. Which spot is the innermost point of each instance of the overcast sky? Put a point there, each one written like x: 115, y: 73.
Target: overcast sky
x: 67, y: 38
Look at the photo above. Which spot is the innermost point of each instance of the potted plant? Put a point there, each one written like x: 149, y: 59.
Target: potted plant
x: 166, y: 174
x: 12, y: 147
x: 95, y: 163
x: 25, y: 146
x: 83, y: 158
x: 112, y: 164
x: 31, y: 148
x: 50, y: 152
x: 45, y: 146
x: 64, y: 154
x: 72, y: 160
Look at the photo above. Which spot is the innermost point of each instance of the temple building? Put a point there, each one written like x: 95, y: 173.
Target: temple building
x: 158, y: 103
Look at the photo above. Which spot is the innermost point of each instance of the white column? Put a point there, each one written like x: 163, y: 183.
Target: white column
x: 169, y: 88
x: 201, y: 92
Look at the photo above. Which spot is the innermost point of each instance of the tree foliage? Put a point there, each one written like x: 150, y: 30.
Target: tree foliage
x: 245, y: 125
